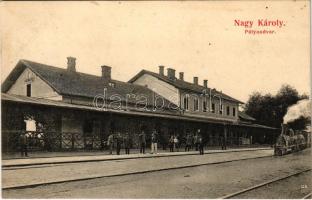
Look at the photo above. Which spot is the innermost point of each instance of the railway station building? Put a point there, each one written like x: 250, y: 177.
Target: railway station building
x: 62, y: 109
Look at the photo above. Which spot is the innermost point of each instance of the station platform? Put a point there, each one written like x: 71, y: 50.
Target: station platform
x: 76, y: 157
x: 33, y: 172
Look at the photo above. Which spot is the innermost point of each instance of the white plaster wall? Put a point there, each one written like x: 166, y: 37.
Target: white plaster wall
x: 191, y: 112
x: 160, y: 87
x: 39, y: 88
x: 168, y: 91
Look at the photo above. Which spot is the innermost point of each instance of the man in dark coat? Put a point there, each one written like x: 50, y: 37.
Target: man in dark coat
x: 142, y: 141
x: 171, y: 143
x: 223, y: 142
x: 110, y: 143
x: 118, y: 143
x: 200, y: 145
x: 188, y: 143
x: 196, y: 139
x: 23, y: 144
x: 127, y: 142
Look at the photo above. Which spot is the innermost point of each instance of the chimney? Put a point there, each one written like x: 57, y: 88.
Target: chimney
x: 181, y: 76
x: 71, y: 64
x: 171, y: 73
x: 195, y: 80
x: 106, y: 72
x: 161, y: 70
x: 206, y: 83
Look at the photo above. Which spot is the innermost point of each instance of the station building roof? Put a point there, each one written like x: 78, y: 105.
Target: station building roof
x: 243, y: 116
x: 80, y: 84
x: 184, y: 85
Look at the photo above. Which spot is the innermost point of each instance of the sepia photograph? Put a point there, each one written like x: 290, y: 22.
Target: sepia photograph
x: 156, y: 99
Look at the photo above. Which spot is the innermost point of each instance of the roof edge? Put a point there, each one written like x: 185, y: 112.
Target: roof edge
x: 39, y: 75
x: 143, y: 71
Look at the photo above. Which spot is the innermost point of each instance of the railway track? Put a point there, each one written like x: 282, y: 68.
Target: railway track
x: 243, y: 191
x: 308, y: 196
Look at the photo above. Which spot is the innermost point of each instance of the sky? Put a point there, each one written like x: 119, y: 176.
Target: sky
x: 197, y: 37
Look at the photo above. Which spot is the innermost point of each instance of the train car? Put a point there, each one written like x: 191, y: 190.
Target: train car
x: 307, y: 137
x: 289, y: 141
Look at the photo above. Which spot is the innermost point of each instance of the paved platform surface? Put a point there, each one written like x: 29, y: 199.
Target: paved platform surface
x: 202, y: 182
x: 49, y: 154
x: 56, y: 173
x: 101, y: 157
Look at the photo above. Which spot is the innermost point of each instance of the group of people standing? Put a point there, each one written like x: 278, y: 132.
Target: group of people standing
x: 119, y: 139
x: 154, y: 142
x: 190, y: 142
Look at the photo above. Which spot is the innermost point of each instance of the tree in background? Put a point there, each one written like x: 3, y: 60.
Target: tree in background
x: 269, y: 110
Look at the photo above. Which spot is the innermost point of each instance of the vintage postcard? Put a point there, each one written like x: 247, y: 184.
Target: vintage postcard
x: 156, y: 99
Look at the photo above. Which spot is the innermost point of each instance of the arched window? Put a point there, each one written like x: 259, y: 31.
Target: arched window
x: 185, y: 102
x: 196, y: 106
x: 204, y: 105
x: 213, y: 108
x: 221, y: 109
x: 28, y: 90
x: 228, y: 110
x: 234, y: 112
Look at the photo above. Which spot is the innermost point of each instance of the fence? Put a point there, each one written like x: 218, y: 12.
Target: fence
x: 69, y: 141
x: 50, y: 141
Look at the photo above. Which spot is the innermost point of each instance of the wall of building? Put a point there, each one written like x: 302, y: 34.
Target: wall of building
x: 105, y: 123
x: 170, y: 92
x: 160, y: 87
x: 76, y: 135
x: 208, y: 113
x: 39, y: 88
x: 72, y: 132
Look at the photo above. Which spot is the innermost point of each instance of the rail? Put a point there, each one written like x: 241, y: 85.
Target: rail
x: 262, y: 184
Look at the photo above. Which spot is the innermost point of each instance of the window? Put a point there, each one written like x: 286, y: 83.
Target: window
x: 228, y: 110
x: 213, y: 108
x: 234, y: 112
x: 196, y: 107
x: 204, y: 106
x: 221, y: 109
x: 28, y: 90
x: 185, y: 103
x: 88, y: 128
